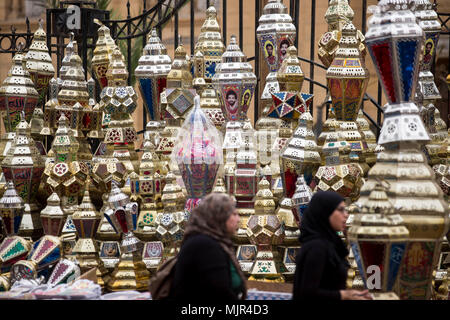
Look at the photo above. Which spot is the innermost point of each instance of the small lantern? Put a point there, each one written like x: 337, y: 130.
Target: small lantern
x: 378, y: 238
x: 151, y: 72
x: 301, y: 198
x: 17, y: 94
x: 102, y: 54
x: 65, y: 271
x: 52, y: 216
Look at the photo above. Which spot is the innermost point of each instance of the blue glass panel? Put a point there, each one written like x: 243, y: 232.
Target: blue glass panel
x: 357, y: 255
x: 407, y: 54
x: 395, y: 258
x: 147, y: 92
x: 53, y: 257
x: 17, y: 221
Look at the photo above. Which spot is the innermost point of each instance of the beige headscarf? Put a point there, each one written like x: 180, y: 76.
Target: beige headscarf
x: 209, y: 218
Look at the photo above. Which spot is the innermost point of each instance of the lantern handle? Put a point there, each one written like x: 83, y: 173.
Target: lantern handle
x: 20, y: 47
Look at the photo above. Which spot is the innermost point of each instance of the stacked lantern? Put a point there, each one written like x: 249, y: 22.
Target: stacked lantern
x: 198, y: 154
x: 39, y: 63
x: 378, y: 239
x: 131, y: 272
x: 264, y: 230
x: 344, y: 150
x: 338, y: 14
x: 102, y: 54
x: 86, y: 220
x: 17, y: 94
x: 24, y: 166
x: 393, y: 32
x: 152, y: 71
x: 207, y: 57
x: 13, y: 248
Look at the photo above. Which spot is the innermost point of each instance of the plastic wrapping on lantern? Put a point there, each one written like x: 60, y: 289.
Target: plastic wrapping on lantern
x: 198, y: 152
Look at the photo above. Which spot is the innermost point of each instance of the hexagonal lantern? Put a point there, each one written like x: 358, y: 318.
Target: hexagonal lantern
x: 52, y: 216
x: 198, y: 154
x: 12, y: 248
x: 153, y: 68
x: 17, y: 94
x: 301, y: 198
x: 378, y: 238
x: 24, y: 165
x: 102, y: 54
x: 39, y: 63
x: 264, y: 230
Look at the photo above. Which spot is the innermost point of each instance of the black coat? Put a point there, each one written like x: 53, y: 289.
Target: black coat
x: 202, y: 272
x: 320, y: 272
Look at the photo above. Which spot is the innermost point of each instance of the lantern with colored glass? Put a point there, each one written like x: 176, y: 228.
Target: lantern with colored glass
x: 24, y: 165
x: 52, y: 216
x: 39, y: 63
x: 198, y: 154
x: 13, y: 248
x: 152, y: 71
x: 102, y: 54
x: 17, y: 94
x: 378, y: 238
x: 130, y: 273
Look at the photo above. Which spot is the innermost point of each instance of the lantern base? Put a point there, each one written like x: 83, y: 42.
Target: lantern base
x: 264, y: 268
x: 130, y: 274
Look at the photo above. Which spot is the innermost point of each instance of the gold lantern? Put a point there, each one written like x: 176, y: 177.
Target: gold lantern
x: 102, y: 54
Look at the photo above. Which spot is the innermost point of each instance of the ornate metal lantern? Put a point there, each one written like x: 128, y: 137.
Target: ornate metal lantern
x: 301, y: 198
x: 378, y: 238
x: 102, y: 54
x: 198, y: 154
x: 130, y: 273
x: 24, y: 166
x: 394, y: 40
x: 264, y: 230
x: 65, y: 271
x: 17, y: 94
x: 52, y: 216
x: 152, y: 71
x: 13, y: 248
x: 39, y: 63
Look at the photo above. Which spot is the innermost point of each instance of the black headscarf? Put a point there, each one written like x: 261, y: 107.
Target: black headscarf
x: 316, y: 224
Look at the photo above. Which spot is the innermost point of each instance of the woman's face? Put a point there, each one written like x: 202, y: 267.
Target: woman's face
x: 232, y: 224
x: 339, y: 217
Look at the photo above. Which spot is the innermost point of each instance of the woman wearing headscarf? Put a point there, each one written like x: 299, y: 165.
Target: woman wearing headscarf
x: 321, y: 265
x: 207, y: 268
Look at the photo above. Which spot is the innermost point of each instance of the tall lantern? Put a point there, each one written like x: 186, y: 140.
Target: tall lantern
x: 378, y: 239
x: 394, y: 41
x: 39, y: 63
x: 24, y: 166
x: 198, y: 154
x: 152, y: 71
x: 17, y: 94
x: 13, y: 248
x: 102, y: 54
x: 275, y: 34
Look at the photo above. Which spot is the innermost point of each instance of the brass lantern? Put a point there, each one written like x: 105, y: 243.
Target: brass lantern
x: 102, y: 54
x: 378, y: 238
x: 152, y: 71
x: 13, y: 248
x: 17, y: 94
x: 52, y: 216
x: 39, y: 63
x: 393, y: 32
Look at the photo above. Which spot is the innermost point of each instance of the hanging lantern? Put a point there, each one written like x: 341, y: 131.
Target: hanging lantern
x: 378, y: 238
x: 13, y: 248
x: 198, y: 154
x: 17, y: 94
x: 102, y: 54
x: 152, y: 71
x: 39, y: 63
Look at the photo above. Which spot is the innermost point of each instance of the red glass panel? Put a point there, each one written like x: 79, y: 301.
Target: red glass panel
x: 382, y: 56
x: 372, y: 253
x: 290, y: 177
x: 121, y: 217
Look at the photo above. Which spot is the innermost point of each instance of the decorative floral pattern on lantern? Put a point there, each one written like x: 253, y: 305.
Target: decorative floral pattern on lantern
x: 65, y: 271
x: 102, y: 54
x: 198, y: 154
x: 395, y: 41
x: 39, y: 63
x: 153, y: 68
x: 264, y: 230
x: 12, y: 248
x: 338, y: 14
x: 235, y: 82
x: 17, y: 94
x: 24, y: 166
x: 378, y: 237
